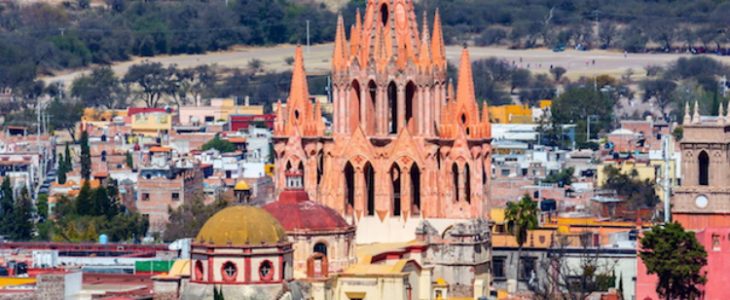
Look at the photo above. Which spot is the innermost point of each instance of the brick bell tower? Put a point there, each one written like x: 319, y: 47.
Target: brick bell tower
x: 403, y: 147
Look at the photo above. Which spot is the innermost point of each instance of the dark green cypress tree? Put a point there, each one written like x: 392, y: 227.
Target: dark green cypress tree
x: 84, y: 205
x: 67, y: 157
x: 85, y: 156
x: 6, y: 207
x: 101, y: 205
x: 23, y: 225
x: 62, y: 169
x: 130, y: 160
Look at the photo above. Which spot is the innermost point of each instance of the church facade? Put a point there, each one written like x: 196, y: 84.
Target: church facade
x: 403, y: 146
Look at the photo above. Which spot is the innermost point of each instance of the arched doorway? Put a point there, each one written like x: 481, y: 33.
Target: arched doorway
x: 349, y: 188
x: 392, y: 108
x: 704, y: 164
x: 415, y: 189
x: 395, y: 179
x: 354, y: 113
x: 370, y: 188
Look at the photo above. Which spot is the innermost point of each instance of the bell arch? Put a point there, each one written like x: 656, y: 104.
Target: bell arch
x: 455, y: 181
x: 467, y: 183
x: 410, y: 106
x: 370, y: 105
x: 415, y: 189
x: 703, y: 161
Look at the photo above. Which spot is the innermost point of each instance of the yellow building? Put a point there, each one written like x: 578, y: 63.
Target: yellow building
x: 151, y: 124
x: 516, y: 113
x: 652, y: 170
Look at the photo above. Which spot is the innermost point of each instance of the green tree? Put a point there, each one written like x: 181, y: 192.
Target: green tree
x: 64, y: 114
x: 67, y: 157
x: 521, y: 217
x: 562, y: 178
x: 677, y: 258
x: 638, y: 193
x: 129, y: 160
x: 7, y: 203
x: 23, y: 225
x: 85, y: 156
x: 101, y: 203
x: 186, y: 220
x: 100, y: 88
x: 61, y: 169
x: 579, y: 103
x: 84, y: 201
x: 41, y: 207
x: 219, y: 144
x: 152, y: 78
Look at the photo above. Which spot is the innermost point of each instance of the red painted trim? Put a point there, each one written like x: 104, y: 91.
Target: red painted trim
x: 247, y: 269
x: 199, y: 275
x: 239, y: 283
x: 210, y: 269
x: 281, y: 267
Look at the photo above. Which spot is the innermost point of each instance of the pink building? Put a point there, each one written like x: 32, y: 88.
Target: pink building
x: 717, y: 245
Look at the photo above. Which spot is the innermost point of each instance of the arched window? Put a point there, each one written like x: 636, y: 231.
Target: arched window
x: 395, y: 180
x: 410, y: 105
x: 455, y: 178
x: 370, y: 187
x: 266, y: 271
x: 384, y: 14
x: 199, y: 271
x: 393, y: 108
x: 320, y: 167
x: 103, y: 155
x: 704, y: 162
x: 320, y: 248
x: 415, y: 190
x: 349, y: 187
x: 467, y: 183
x: 301, y: 171
x: 229, y: 272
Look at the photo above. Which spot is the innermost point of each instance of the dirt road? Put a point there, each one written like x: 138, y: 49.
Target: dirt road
x: 317, y: 60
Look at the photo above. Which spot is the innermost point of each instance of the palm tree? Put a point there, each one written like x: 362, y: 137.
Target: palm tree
x: 521, y: 217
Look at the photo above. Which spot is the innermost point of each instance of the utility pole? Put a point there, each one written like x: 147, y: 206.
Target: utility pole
x: 307, y: 37
x: 667, y: 173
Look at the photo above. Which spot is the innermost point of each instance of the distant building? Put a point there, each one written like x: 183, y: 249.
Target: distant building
x: 219, y: 110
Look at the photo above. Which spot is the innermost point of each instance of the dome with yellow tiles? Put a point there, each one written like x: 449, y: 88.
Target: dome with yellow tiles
x: 241, y: 186
x: 241, y: 226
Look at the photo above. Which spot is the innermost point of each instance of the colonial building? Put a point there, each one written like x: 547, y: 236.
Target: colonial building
x: 243, y: 251
x: 323, y: 241
x: 703, y: 199
x: 403, y: 146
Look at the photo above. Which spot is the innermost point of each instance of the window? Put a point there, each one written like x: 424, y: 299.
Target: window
x: 505, y: 172
x: 266, y: 271
x: 209, y: 118
x: 320, y: 248
x: 498, y: 267
x: 704, y: 162
x: 175, y: 196
x: 199, y: 272
x: 524, y: 171
x: 229, y: 272
x: 527, y: 268
x: 145, y: 197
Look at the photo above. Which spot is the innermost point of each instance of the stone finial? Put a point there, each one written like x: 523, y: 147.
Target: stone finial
x: 720, y: 115
x: 687, y: 118
x: 727, y: 114
x: 696, y: 115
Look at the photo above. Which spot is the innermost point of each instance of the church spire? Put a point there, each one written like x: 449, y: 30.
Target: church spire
x: 696, y: 115
x: 720, y: 114
x: 687, y: 118
x: 465, y: 81
x: 424, y: 54
x: 338, y: 56
x: 437, y: 43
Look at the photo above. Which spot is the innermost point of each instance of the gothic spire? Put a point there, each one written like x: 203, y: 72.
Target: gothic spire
x: 696, y: 115
x: 465, y: 81
x: 687, y: 118
x: 424, y: 54
x: 338, y: 55
x: 437, y: 43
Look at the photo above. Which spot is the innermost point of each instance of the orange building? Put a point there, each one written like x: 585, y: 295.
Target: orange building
x: 403, y: 146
